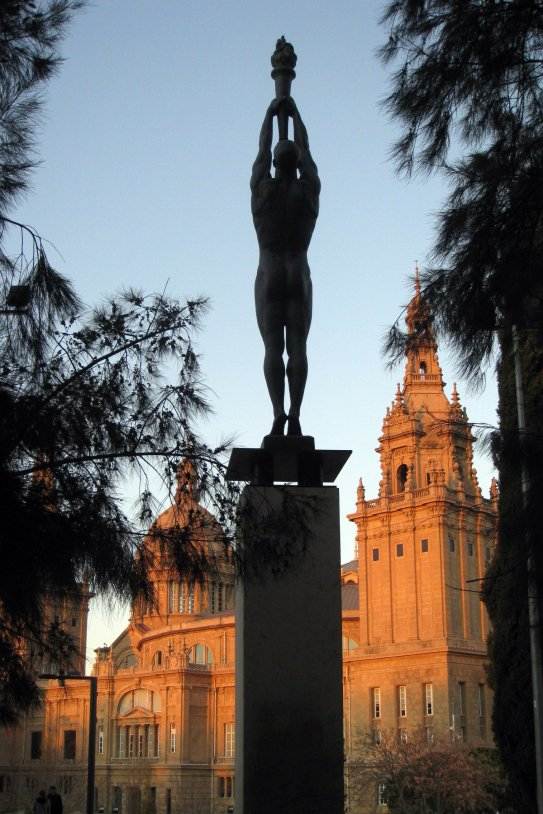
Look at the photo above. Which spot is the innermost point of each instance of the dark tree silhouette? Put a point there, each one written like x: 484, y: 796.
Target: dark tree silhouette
x: 86, y: 403
x: 467, y: 90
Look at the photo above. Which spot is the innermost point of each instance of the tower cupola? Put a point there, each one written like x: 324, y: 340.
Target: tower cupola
x: 426, y: 438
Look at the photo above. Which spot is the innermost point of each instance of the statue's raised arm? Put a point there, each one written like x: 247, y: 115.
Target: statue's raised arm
x: 262, y: 165
x: 307, y: 166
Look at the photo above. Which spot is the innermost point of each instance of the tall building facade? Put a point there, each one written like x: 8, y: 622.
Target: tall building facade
x: 414, y: 632
x: 423, y: 545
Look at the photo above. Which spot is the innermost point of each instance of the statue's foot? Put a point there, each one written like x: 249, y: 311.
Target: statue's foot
x: 278, y: 426
x: 294, y: 425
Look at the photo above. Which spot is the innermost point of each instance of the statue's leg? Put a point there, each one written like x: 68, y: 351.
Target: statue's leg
x: 270, y: 318
x: 298, y: 321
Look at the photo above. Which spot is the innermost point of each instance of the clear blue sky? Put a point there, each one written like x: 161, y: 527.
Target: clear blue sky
x: 148, y: 138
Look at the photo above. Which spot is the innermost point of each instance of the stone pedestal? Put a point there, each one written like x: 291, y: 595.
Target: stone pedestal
x: 289, y: 730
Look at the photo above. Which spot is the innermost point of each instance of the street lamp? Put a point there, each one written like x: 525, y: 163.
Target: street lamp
x: 534, y: 621
x: 61, y: 678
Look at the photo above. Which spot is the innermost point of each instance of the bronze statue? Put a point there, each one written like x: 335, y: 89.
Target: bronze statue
x: 285, y: 209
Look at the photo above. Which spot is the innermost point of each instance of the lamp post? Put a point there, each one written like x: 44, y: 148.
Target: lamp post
x: 534, y: 621
x: 61, y: 678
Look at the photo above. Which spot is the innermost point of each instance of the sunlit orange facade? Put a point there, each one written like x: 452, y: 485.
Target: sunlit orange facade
x: 414, y: 632
x: 422, y: 548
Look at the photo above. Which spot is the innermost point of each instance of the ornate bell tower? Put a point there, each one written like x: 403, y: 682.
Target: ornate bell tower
x: 423, y: 545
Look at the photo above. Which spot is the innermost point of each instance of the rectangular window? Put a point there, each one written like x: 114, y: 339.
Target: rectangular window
x: 428, y: 699
x: 218, y: 596
x: 399, y: 550
x: 190, y: 600
x: 173, y: 737
x: 381, y: 794
x: 375, y: 554
x: 429, y: 734
x: 146, y: 740
x: 171, y: 596
x: 220, y: 786
x: 451, y: 544
x: 100, y: 740
x: 229, y: 739
x: 470, y: 549
x: 402, y: 735
x: 168, y: 801
x: 141, y: 743
x: 224, y: 650
x: 122, y: 741
x: 376, y: 693
x: 424, y: 546
x: 130, y: 744
x: 69, y: 744
x: 402, y: 701
x: 182, y: 598
x: 35, y: 745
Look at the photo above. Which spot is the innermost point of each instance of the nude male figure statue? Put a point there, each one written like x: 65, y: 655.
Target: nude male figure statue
x: 285, y: 209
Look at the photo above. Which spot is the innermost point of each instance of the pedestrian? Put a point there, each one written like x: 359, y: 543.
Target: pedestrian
x: 55, y: 801
x: 41, y: 804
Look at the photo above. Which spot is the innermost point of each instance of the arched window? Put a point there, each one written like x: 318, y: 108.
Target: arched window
x: 141, y: 698
x: 158, y: 660
x: 401, y: 477
x: 200, y: 654
x: 422, y: 369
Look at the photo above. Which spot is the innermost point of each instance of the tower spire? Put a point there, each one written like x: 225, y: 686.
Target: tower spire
x: 422, y: 371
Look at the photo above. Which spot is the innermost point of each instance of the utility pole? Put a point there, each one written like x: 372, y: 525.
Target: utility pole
x: 91, y: 749
x: 534, y: 621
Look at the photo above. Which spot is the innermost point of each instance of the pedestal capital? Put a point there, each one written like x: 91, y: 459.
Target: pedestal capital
x: 286, y: 459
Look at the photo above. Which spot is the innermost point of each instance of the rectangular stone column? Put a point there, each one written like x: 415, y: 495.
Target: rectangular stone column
x: 289, y: 727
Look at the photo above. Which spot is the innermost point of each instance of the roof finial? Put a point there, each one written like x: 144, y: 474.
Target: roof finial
x: 360, y: 492
x: 454, y: 395
x: 417, y: 278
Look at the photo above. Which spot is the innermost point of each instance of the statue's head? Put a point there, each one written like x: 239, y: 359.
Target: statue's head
x: 286, y: 156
